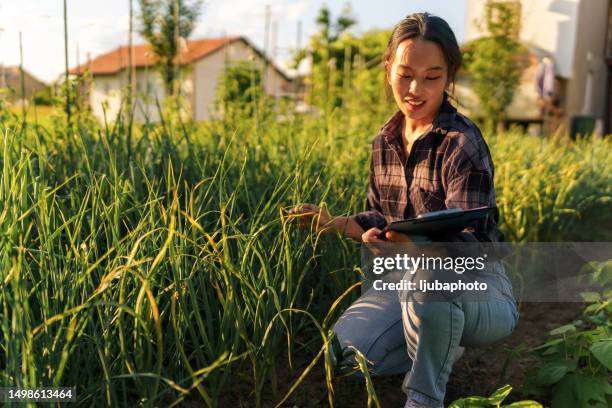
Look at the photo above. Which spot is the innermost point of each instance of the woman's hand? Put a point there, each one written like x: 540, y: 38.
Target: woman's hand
x: 311, y: 215
x: 371, y: 236
x: 395, y: 236
x: 378, y: 247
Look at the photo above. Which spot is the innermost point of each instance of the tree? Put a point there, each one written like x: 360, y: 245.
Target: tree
x: 494, y: 63
x: 165, y: 24
x: 331, y: 50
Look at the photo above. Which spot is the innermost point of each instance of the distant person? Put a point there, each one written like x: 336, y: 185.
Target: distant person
x: 548, y: 98
x: 427, y: 157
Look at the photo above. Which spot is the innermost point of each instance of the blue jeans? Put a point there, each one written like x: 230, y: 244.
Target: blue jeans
x: 421, y: 339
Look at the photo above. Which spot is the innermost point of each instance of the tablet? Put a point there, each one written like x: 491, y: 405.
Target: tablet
x: 440, y: 222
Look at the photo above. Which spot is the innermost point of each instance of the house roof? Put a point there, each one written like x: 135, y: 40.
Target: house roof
x: 13, y: 72
x: 117, y: 60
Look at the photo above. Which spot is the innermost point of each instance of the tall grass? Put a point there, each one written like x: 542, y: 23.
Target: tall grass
x: 553, y: 189
x: 163, y: 270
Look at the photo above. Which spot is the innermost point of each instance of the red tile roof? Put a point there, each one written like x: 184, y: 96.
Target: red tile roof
x: 117, y: 60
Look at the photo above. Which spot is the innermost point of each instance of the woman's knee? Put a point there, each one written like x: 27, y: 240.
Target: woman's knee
x: 426, y: 313
x: 495, y: 322
x: 375, y: 344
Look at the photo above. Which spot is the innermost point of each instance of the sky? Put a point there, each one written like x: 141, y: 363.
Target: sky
x: 98, y: 26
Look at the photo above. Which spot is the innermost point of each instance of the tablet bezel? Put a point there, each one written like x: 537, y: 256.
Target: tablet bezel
x: 472, y: 214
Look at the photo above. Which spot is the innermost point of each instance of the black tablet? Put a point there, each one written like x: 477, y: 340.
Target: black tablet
x: 440, y: 222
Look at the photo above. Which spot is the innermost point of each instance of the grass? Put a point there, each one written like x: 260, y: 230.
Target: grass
x: 35, y: 112
x: 157, y: 273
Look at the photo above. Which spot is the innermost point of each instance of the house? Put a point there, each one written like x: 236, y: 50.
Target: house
x: 202, y: 64
x: 576, y: 35
x: 10, y: 81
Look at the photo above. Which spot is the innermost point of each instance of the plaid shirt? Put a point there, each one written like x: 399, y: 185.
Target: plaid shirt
x: 449, y: 166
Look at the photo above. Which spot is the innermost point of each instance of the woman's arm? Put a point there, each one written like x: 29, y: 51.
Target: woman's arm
x: 311, y: 215
x: 348, y: 227
x: 352, y: 226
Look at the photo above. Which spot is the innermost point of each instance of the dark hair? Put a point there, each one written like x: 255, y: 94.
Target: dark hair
x: 431, y: 28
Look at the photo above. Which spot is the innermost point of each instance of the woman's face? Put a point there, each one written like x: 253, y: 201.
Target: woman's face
x: 418, y: 77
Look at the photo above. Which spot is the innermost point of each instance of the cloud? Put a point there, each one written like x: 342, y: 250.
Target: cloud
x: 248, y: 16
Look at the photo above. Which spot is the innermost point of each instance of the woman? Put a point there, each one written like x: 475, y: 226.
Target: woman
x: 427, y: 157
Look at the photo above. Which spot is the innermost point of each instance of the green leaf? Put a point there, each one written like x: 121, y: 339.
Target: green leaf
x: 564, y: 393
x: 602, y: 350
x: 554, y: 371
x: 470, y: 402
x: 548, y: 352
x: 591, y: 308
x: 590, y: 390
x: 547, y: 344
x: 579, y: 391
x: 590, y: 296
x: 499, y: 395
x: 563, y: 329
x: 524, y: 404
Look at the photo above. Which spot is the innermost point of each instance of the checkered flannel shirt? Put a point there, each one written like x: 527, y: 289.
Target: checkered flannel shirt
x: 449, y: 166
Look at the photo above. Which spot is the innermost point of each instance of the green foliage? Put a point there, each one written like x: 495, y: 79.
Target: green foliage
x: 240, y: 88
x: 346, y: 70
x: 552, y: 190
x: 4, y: 105
x: 494, y: 400
x: 152, y: 266
x: 332, y: 51
x: 44, y: 97
x: 159, y: 27
x: 494, y: 63
x: 576, y: 361
x: 165, y: 270
x: 366, y: 93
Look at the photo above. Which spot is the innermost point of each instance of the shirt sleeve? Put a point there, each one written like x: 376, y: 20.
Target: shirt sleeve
x: 468, y: 177
x: 469, y: 184
x: 373, y: 216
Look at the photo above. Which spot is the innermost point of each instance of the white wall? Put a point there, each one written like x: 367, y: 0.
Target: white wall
x: 208, y: 70
x: 205, y: 73
x: 107, y: 91
x: 105, y: 97
x: 548, y: 24
x: 149, y: 86
x: 586, y: 93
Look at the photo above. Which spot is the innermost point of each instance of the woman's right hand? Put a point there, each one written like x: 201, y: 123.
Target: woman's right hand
x: 371, y: 236
x: 312, y: 215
